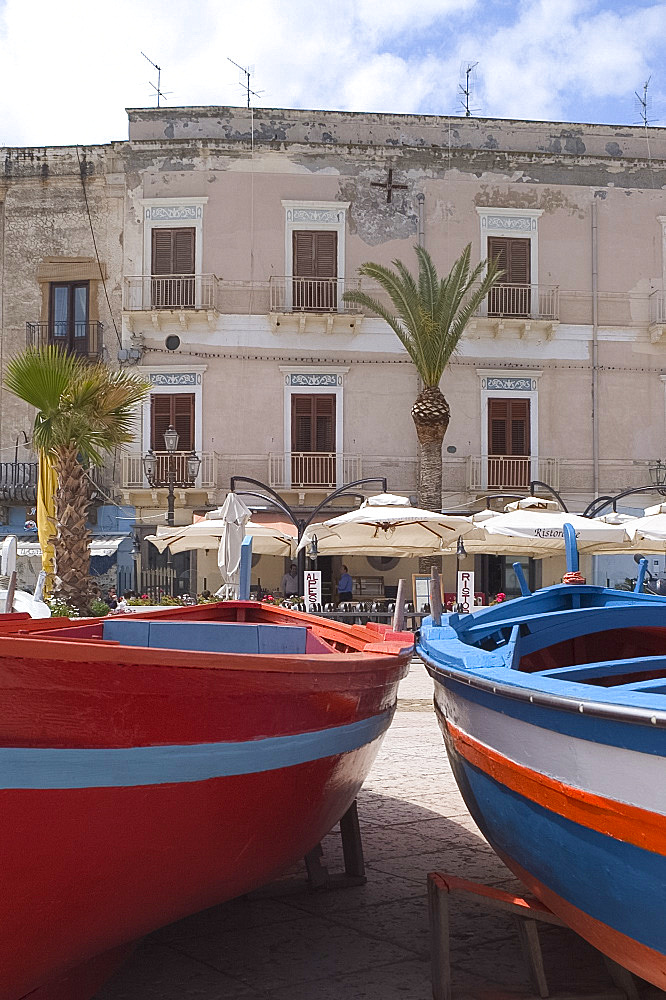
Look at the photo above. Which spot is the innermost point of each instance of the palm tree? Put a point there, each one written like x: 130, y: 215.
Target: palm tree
x: 83, y: 411
x: 429, y: 317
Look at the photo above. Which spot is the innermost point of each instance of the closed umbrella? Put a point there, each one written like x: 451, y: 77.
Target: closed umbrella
x: 234, y: 516
x: 387, y: 525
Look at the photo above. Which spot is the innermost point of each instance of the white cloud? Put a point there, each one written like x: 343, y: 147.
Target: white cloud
x: 68, y: 71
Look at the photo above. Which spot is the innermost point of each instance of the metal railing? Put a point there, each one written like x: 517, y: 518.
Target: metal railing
x: 78, y: 338
x: 524, y: 301
x: 657, y: 308
x: 133, y: 476
x: 312, y: 469
x: 323, y: 295
x: 495, y: 472
x: 18, y: 482
x: 146, y: 292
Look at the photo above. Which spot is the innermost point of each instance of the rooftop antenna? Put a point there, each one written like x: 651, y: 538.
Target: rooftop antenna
x: 466, y: 87
x: 158, y: 90
x: 247, y: 72
x: 644, y: 103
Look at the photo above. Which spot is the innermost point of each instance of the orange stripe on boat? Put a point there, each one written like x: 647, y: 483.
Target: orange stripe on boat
x: 638, y: 958
x: 615, y: 819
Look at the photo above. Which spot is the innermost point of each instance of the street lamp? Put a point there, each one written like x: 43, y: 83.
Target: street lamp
x: 658, y: 476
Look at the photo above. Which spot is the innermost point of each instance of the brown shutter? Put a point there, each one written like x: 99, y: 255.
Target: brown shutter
x: 301, y: 422
x: 172, y: 251
x: 304, y: 250
x: 177, y: 411
x: 315, y: 254
x: 183, y: 420
x: 513, y: 257
x: 324, y: 423
x: 508, y: 426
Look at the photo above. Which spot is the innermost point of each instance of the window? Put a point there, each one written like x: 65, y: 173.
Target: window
x: 68, y: 317
x: 512, y: 297
x: 313, y: 459
x: 315, y: 263
x: 172, y: 261
x: 508, y: 443
x: 176, y: 411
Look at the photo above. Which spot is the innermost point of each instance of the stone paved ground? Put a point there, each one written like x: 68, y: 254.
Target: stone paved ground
x: 369, y: 942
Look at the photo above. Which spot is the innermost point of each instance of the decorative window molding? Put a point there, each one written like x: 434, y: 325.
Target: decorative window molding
x: 497, y: 384
x: 309, y: 380
x: 171, y: 213
x: 317, y: 215
x: 168, y: 380
x: 662, y: 220
x: 519, y: 222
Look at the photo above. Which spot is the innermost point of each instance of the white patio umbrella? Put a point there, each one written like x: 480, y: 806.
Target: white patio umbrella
x: 387, y: 525
x: 234, y: 516
x: 647, y: 534
x: 206, y: 534
x: 536, y: 527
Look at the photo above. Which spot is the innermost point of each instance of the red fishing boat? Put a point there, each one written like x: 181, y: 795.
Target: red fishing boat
x: 157, y: 764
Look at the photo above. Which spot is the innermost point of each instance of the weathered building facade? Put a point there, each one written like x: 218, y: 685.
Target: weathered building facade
x: 212, y: 249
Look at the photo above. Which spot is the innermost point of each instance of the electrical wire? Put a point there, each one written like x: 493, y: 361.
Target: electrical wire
x: 92, y: 233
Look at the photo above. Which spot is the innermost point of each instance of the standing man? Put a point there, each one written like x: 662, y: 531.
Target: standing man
x: 345, y: 586
x: 289, y: 585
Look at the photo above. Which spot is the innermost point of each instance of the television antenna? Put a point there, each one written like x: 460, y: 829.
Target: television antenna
x: 158, y: 89
x: 643, y: 103
x: 247, y: 72
x: 467, y: 86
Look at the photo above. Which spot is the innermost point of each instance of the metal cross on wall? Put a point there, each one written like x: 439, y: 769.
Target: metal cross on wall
x: 389, y: 185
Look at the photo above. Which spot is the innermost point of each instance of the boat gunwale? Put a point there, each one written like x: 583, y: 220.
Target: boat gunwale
x: 637, y: 714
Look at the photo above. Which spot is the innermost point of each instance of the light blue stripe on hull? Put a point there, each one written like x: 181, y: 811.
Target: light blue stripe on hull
x: 618, y: 884
x: 129, y: 766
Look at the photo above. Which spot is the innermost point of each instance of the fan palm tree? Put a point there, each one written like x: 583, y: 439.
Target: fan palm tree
x: 83, y: 411
x: 429, y: 317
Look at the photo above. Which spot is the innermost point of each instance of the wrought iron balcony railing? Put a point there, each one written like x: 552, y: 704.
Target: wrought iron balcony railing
x: 514, y: 472
x: 146, y: 292
x: 312, y: 469
x: 317, y: 295
x: 84, y: 339
x: 18, y: 482
x: 133, y: 476
x: 524, y: 302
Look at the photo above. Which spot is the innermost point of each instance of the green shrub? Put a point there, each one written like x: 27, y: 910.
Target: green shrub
x: 99, y: 608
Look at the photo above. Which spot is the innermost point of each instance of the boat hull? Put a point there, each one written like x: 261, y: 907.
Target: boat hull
x: 140, y: 785
x: 570, y: 805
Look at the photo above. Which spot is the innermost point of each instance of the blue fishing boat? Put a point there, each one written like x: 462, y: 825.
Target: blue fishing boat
x: 553, y: 711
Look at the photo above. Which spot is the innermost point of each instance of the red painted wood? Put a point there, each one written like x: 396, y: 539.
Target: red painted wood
x: 88, y: 870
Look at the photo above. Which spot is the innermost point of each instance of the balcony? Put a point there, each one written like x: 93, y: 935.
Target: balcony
x: 185, y: 297
x: 510, y: 472
x: 313, y: 304
x: 18, y: 482
x: 519, y: 309
x: 657, y: 327
x: 319, y: 470
x: 84, y: 339
x: 133, y: 476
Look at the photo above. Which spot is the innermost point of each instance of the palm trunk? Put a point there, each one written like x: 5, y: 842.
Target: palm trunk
x: 72, y: 500
x: 430, y: 414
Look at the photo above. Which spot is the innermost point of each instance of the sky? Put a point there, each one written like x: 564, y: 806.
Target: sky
x: 68, y: 70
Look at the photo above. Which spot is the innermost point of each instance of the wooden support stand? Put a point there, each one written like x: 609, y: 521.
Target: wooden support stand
x: 319, y: 876
x: 528, y: 913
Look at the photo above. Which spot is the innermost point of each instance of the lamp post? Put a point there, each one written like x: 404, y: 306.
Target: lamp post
x: 658, y: 476
x: 152, y: 473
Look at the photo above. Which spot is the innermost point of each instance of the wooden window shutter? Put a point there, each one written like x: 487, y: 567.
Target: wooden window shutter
x: 509, y: 426
x: 513, y: 257
x: 183, y: 420
x: 324, y: 423
x: 172, y: 251
x: 172, y: 410
x: 183, y: 251
x: 312, y: 422
x: 315, y: 254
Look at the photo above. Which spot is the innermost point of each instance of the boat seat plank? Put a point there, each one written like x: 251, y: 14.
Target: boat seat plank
x: 589, y: 671
x: 209, y: 637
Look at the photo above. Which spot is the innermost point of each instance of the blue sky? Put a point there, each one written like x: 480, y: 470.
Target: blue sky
x: 68, y: 70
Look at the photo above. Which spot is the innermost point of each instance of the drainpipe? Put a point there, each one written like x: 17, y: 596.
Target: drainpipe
x: 420, y: 201
x: 595, y: 351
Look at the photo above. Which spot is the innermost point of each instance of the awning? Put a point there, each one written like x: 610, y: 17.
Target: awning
x: 98, y: 547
